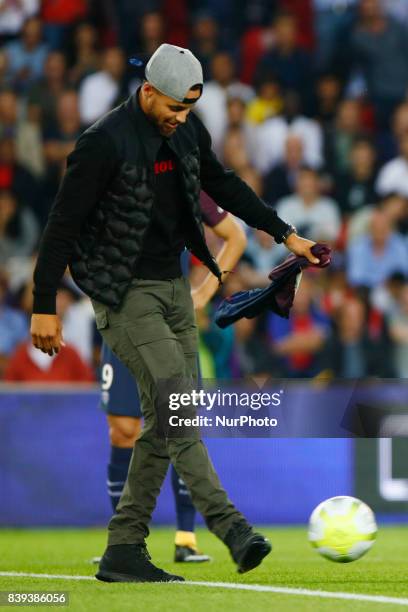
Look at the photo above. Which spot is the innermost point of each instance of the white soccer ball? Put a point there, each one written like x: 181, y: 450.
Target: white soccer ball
x: 342, y: 528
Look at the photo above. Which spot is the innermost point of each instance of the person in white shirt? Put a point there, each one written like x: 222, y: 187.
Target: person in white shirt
x: 271, y: 137
x: 99, y: 91
x: 14, y: 14
x: 315, y: 216
x: 393, y: 176
x: 212, y: 106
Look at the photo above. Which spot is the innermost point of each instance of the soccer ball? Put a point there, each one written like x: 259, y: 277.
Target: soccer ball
x: 342, y: 529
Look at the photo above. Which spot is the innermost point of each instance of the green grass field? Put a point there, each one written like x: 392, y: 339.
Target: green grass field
x: 292, y: 564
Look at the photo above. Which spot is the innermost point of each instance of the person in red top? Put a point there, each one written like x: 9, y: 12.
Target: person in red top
x: 29, y: 365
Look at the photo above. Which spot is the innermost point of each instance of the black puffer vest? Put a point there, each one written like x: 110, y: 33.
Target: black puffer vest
x: 108, y: 248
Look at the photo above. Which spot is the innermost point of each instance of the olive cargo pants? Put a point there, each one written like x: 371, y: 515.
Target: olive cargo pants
x: 154, y: 334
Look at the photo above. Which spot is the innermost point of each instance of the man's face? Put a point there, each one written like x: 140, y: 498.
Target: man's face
x: 166, y: 112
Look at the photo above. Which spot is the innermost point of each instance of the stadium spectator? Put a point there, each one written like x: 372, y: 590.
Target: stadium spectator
x: 100, y: 91
x: 254, y: 44
x: 85, y: 57
x: 152, y: 32
x: 332, y: 19
x: 27, y: 135
x: 4, y: 80
x: 252, y: 177
x: 314, y: 215
x: 28, y: 365
x: 26, y: 56
x: 238, y: 142
x: 398, y: 9
x: 393, y: 176
x: 19, y: 230
x: 14, y: 177
x: 267, y: 102
x: 372, y: 258
x: 177, y: 19
x: 355, y: 188
x: 251, y: 351
x: 400, y: 121
x: 12, y: 17
x: 271, y: 136
x: 267, y: 139
x: 212, y: 106
x: 386, y: 297
x: 13, y: 325
x: 394, y: 207
x: 297, y: 343
x: 286, y: 60
x: 205, y: 40
x: 59, y: 18
x: 42, y: 96
x: 327, y: 96
x: 302, y: 11
x: 379, y: 46
x: 399, y: 334
x: 360, y: 344
x: 339, y: 138
x: 281, y: 180
x: 348, y: 348
x: 60, y: 138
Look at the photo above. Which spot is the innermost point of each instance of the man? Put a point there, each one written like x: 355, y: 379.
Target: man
x: 121, y: 402
x: 121, y: 221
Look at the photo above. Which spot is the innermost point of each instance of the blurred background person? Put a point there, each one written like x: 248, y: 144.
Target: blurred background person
x: 26, y: 56
x: 84, y: 53
x: 340, y: 136
x: 59, y: 139
x: 43, y: 94
x: 212, y: 106
x: 205, y: 40
x: 399, y: 334
x: 282, y: 179
x: 101, y: 91
x: 393, y: 176
x: 13, y: 325
x: 19, y: 230
x: 286, y: 60
x: 379, y: 48
x: 355, y: 187
x: 297, y: 343
x: 372, y: 258
x: 25, y: 134
x: 267, y: 102
x: 270, y: 136
x: 312, y: 213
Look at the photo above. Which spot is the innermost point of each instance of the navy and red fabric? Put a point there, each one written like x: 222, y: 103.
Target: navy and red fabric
x: 277, y: 297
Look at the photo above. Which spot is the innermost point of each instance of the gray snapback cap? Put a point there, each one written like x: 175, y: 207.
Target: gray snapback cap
x: 173, y: 71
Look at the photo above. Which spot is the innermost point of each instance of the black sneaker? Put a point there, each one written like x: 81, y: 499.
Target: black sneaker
x: 131, y: 563
x: 247, y: 547
x: 185, y: 554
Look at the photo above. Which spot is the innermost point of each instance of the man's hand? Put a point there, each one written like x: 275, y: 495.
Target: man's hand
x: 46, y: 333
x: 301, y: 246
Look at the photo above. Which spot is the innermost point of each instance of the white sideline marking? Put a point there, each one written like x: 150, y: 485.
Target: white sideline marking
x: 260, y: 588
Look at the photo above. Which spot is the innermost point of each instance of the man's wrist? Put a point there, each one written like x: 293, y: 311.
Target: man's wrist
x: 289, y: 232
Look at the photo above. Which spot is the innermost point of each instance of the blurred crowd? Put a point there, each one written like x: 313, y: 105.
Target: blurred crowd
x: 307, y: 100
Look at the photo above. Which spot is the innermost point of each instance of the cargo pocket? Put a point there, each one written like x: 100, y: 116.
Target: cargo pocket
x: 101, y: 319
x: 189, y: 344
